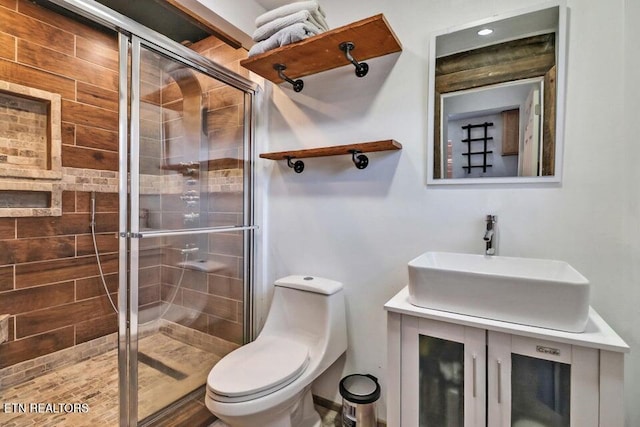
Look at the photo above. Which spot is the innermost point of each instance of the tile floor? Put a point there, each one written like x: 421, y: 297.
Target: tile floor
x: 92, y: 386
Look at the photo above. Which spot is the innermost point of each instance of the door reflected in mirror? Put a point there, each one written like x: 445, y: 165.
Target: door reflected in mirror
x: 496, y: 100
x: 494, y: 131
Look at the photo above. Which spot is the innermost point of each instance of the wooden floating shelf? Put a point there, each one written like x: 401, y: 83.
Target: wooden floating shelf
x: 372, y: 38
x: 363, y: 147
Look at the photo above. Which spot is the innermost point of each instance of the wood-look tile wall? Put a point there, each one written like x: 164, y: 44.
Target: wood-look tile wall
x: 49, y: 280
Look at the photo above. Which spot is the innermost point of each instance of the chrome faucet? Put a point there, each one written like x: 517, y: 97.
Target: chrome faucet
x: 490, y: 235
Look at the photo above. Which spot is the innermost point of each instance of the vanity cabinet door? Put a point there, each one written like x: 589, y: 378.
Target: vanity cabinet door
x: 443, y: 374
x: 532, y: 382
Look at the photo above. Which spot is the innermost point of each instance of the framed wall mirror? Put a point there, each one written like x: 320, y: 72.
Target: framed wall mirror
x: 496, y: 99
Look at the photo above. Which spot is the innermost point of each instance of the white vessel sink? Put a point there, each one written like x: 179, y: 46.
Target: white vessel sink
x: 536, y: 292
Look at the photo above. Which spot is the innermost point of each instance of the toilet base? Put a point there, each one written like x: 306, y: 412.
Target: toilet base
x: 306, y: 415
x: 301, y: 414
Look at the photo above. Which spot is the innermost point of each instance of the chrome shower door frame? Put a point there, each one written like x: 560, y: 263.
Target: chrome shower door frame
x: 130, y: 232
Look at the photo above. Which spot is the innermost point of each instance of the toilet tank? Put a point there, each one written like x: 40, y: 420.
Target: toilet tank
x: 309, y: 308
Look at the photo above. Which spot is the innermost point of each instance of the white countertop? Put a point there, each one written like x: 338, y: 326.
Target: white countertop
x: 598, y: 334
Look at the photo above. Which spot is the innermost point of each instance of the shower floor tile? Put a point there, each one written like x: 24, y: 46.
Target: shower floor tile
x: 94, y: 383
x: 48, y: 400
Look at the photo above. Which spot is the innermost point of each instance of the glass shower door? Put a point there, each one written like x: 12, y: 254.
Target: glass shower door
x: 190, y: 219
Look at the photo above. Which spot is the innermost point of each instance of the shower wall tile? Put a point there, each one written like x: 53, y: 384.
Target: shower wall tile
x: 68, y: 133
x: 28, y: 250
x: 226, y: 96
x: 210, y: 304
x: 87, y: 115
x: 228, y: 137
x: 226, y: 287
x: 49, y: 280
x: 148, y: 294
x: 77, y: 157
x: 20, y: 350
x: 226, y: 202
x: 225, y: 159
x: 29, y: 299
x: 150, y: 275
x: 66, y: 64
x: 92, y: 137
x: 7, y: 47
x: 150, y: 129
x: 91, y: 287
x: 107, y: 243
x: 193, y: 280
x: 98, y: 97
x: 105, y: 203
x: 96, y: 328
x: 48, y: 319
x: 191, y: 318
x: 226, y: 244
x: 167, y: 294
x: 149, y: 258
x: 101, y: 38
x: 224, y: 117
x: 7, y: 228
x: 33, y: 30
x: 51, y: 226
x: 27, y: 76
x: 98, y: 53
x: 230, y: 331
x: 6, y: 279
x: 10, y: 4
x: 41, y: 273
x: 68, y: 201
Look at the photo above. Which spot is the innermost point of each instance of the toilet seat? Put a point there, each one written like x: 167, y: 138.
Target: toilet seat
x: 257, y: 369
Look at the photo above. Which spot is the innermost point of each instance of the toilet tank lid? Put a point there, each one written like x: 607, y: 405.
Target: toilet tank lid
x: 315, y: 284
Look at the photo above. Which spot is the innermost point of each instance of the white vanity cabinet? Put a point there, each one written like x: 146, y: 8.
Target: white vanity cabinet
x: 450, y: 370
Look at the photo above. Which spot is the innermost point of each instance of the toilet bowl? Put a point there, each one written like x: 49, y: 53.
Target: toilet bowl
x: 267, y: 382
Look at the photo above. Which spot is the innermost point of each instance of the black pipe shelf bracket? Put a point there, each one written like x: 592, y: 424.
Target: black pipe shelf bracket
x: 360, y: 160
x: 298, y: 84
x: 484, y: 139
x: 362, y: 68
x: 297, y: 166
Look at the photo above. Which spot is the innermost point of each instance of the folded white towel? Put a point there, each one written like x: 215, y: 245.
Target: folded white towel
x: 291, y: 34
x: 270, y: 28
x: 310, y: 5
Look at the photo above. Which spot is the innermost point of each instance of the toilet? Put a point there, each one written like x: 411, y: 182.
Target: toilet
x: 267, y: 382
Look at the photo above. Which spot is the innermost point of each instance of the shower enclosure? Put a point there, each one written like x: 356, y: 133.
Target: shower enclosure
x: 180, y: 275
x: 187, y: 237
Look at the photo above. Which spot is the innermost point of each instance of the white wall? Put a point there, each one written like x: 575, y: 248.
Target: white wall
x: 362, y: 226
x: 236, y: 20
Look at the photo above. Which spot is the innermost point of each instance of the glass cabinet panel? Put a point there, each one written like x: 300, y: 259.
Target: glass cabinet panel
x: 540, y: 392
x: 441, y: 382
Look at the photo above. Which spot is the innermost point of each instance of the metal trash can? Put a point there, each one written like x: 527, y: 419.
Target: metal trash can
x: 359, y: 395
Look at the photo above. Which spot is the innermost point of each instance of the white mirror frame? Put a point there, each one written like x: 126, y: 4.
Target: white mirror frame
x: 560, y: 100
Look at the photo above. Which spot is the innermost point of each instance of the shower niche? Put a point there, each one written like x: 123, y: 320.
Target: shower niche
x: 30, y: 151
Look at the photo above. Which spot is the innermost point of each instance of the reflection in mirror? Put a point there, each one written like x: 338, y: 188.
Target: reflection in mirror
x: 495, y: 114
x: 493, y: 131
